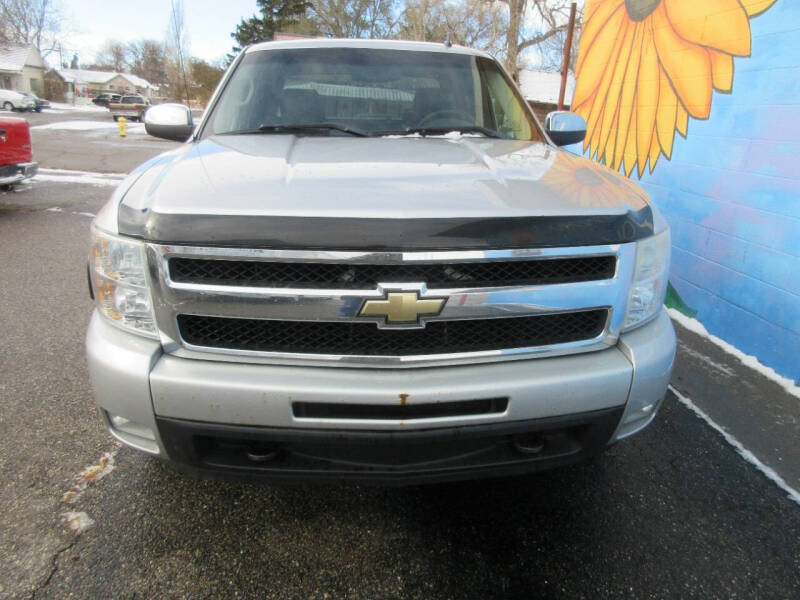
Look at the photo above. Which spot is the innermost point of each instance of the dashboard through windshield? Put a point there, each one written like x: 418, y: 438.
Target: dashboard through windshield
x: 372, y: 92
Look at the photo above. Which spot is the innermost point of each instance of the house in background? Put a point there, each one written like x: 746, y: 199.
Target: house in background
x: 540, y: 89
x: 84, y: 83
x: 22, y: 68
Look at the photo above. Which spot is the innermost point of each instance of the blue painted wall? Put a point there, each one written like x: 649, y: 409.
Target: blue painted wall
x: 731, y: 193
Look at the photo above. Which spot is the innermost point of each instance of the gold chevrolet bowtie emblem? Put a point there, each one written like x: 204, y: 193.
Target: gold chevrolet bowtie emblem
x: 402, y: 307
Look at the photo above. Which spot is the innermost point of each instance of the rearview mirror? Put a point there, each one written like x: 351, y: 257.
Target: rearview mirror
x: 169, y: 121
x: 565, y: 127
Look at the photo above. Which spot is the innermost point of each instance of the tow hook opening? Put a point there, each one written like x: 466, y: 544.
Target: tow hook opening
x: 259, y: 453
x: 529, y: 443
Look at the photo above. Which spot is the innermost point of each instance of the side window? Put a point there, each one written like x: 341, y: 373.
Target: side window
x: 509, y: 117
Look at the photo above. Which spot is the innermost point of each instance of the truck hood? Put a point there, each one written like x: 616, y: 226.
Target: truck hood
x: 403, y: 192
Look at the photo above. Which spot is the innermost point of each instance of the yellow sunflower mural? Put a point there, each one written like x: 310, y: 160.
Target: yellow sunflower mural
x: 572, y: 179
x: 645, y: 66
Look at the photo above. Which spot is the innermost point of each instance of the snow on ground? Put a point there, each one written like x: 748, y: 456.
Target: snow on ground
x: 748, y: 360
x: 110, y: 126
x: 770, y: 473
x: 87, y: 177
x: 60, y: 106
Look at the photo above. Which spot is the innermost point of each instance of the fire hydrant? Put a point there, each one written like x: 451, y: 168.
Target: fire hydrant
x: 121, y: 122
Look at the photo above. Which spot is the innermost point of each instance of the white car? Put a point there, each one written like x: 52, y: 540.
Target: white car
x: 11, y: 100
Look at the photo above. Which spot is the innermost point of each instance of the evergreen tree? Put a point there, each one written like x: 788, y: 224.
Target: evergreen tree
x: 276, y: 15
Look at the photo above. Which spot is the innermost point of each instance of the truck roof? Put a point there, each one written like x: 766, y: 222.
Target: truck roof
x: 374, y: 44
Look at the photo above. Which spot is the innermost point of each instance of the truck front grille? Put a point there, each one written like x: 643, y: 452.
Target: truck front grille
x: 367, y: 276
x: 365, y: 339
x: 306, y: 307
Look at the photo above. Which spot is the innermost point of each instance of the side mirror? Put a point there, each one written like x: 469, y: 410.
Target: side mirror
x: 169, y: 121
x: 565, y: 127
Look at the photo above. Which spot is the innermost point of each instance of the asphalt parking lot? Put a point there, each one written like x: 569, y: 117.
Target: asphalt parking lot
x: 673, y: 512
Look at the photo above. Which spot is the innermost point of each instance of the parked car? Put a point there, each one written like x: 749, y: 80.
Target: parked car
x: 130, y: 107
x: 105, y: 98
x: 371, y: 262
x: 11, y: 100
x: 16, y: 154
x: 38, y: 103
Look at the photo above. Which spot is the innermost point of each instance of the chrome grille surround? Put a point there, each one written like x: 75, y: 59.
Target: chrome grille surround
x: 303, y: 304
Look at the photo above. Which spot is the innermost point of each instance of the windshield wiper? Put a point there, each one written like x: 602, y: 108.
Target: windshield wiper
x: 290, y: 128
x: 444, y: 130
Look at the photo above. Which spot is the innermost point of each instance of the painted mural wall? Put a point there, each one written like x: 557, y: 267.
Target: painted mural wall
x: 699, y: 101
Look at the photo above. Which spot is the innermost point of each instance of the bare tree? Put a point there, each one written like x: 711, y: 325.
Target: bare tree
x: 35, y: 22
x: 113, y: 56
x: 178, y: 42
x: 531, y: 23
x: 355, y: 18
x: 474, y: 23
x: 550, y: 53
x: 148, y: 59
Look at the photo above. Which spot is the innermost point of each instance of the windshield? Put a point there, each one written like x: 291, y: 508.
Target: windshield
x: 361, y: 91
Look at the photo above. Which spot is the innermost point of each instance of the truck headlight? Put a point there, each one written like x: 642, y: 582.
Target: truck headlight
x: 649, y: 284
x: 120, y: 283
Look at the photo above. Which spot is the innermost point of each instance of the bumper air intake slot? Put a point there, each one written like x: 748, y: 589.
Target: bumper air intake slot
x: 405, y: 412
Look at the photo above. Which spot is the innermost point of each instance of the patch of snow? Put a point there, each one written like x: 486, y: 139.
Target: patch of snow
x: 86, y: 177
x: 770, y: 473
x: 456, y: 135
x: 82, y: 173
x: 401, y: 135
x: 86, y: 214
x: 451, y: 135
x: 60, y: 106
x: 55, y: 209
x: 77, y: 521
x: 86, y: 180
x: 748, y: 360
x: 131, y: 128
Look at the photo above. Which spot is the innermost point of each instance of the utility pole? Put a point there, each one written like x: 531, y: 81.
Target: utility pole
x: 567, y: 52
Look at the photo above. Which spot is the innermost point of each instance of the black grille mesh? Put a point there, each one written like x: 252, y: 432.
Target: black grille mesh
x: 350, y: 276
x: 346, y: 338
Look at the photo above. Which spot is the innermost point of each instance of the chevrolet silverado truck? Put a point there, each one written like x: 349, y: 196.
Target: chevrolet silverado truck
x: 368, y: 261
x: 130, y: 107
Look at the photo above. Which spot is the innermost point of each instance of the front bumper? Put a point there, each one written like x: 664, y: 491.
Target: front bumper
x: 19, y: 172
x: 241, y: 419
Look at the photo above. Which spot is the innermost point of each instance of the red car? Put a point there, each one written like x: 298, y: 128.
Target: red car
x: 16, y: 157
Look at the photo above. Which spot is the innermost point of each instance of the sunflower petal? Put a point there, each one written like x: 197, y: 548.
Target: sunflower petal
x: 597, y: 20
x: 627, y: 97
x: 666, y: 115
x: 721, y: 70
x: 646, y: 98
x: 756, y: 7
x: 595, y: 57
x: 720, y: 24
x: 687, y: 66
x: 682, y: 121
x: 613, y: 99
x: 608, y: 151
x: 655, y: 152
x: 600, y: 104
x: 629, y: 151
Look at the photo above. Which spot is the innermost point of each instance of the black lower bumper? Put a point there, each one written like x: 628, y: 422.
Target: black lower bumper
x: 386, y: 457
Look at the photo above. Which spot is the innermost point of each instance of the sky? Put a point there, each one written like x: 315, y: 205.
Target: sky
x: 89, y: 23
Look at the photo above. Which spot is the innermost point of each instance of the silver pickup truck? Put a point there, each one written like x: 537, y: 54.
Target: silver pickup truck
x: 370, y: 262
